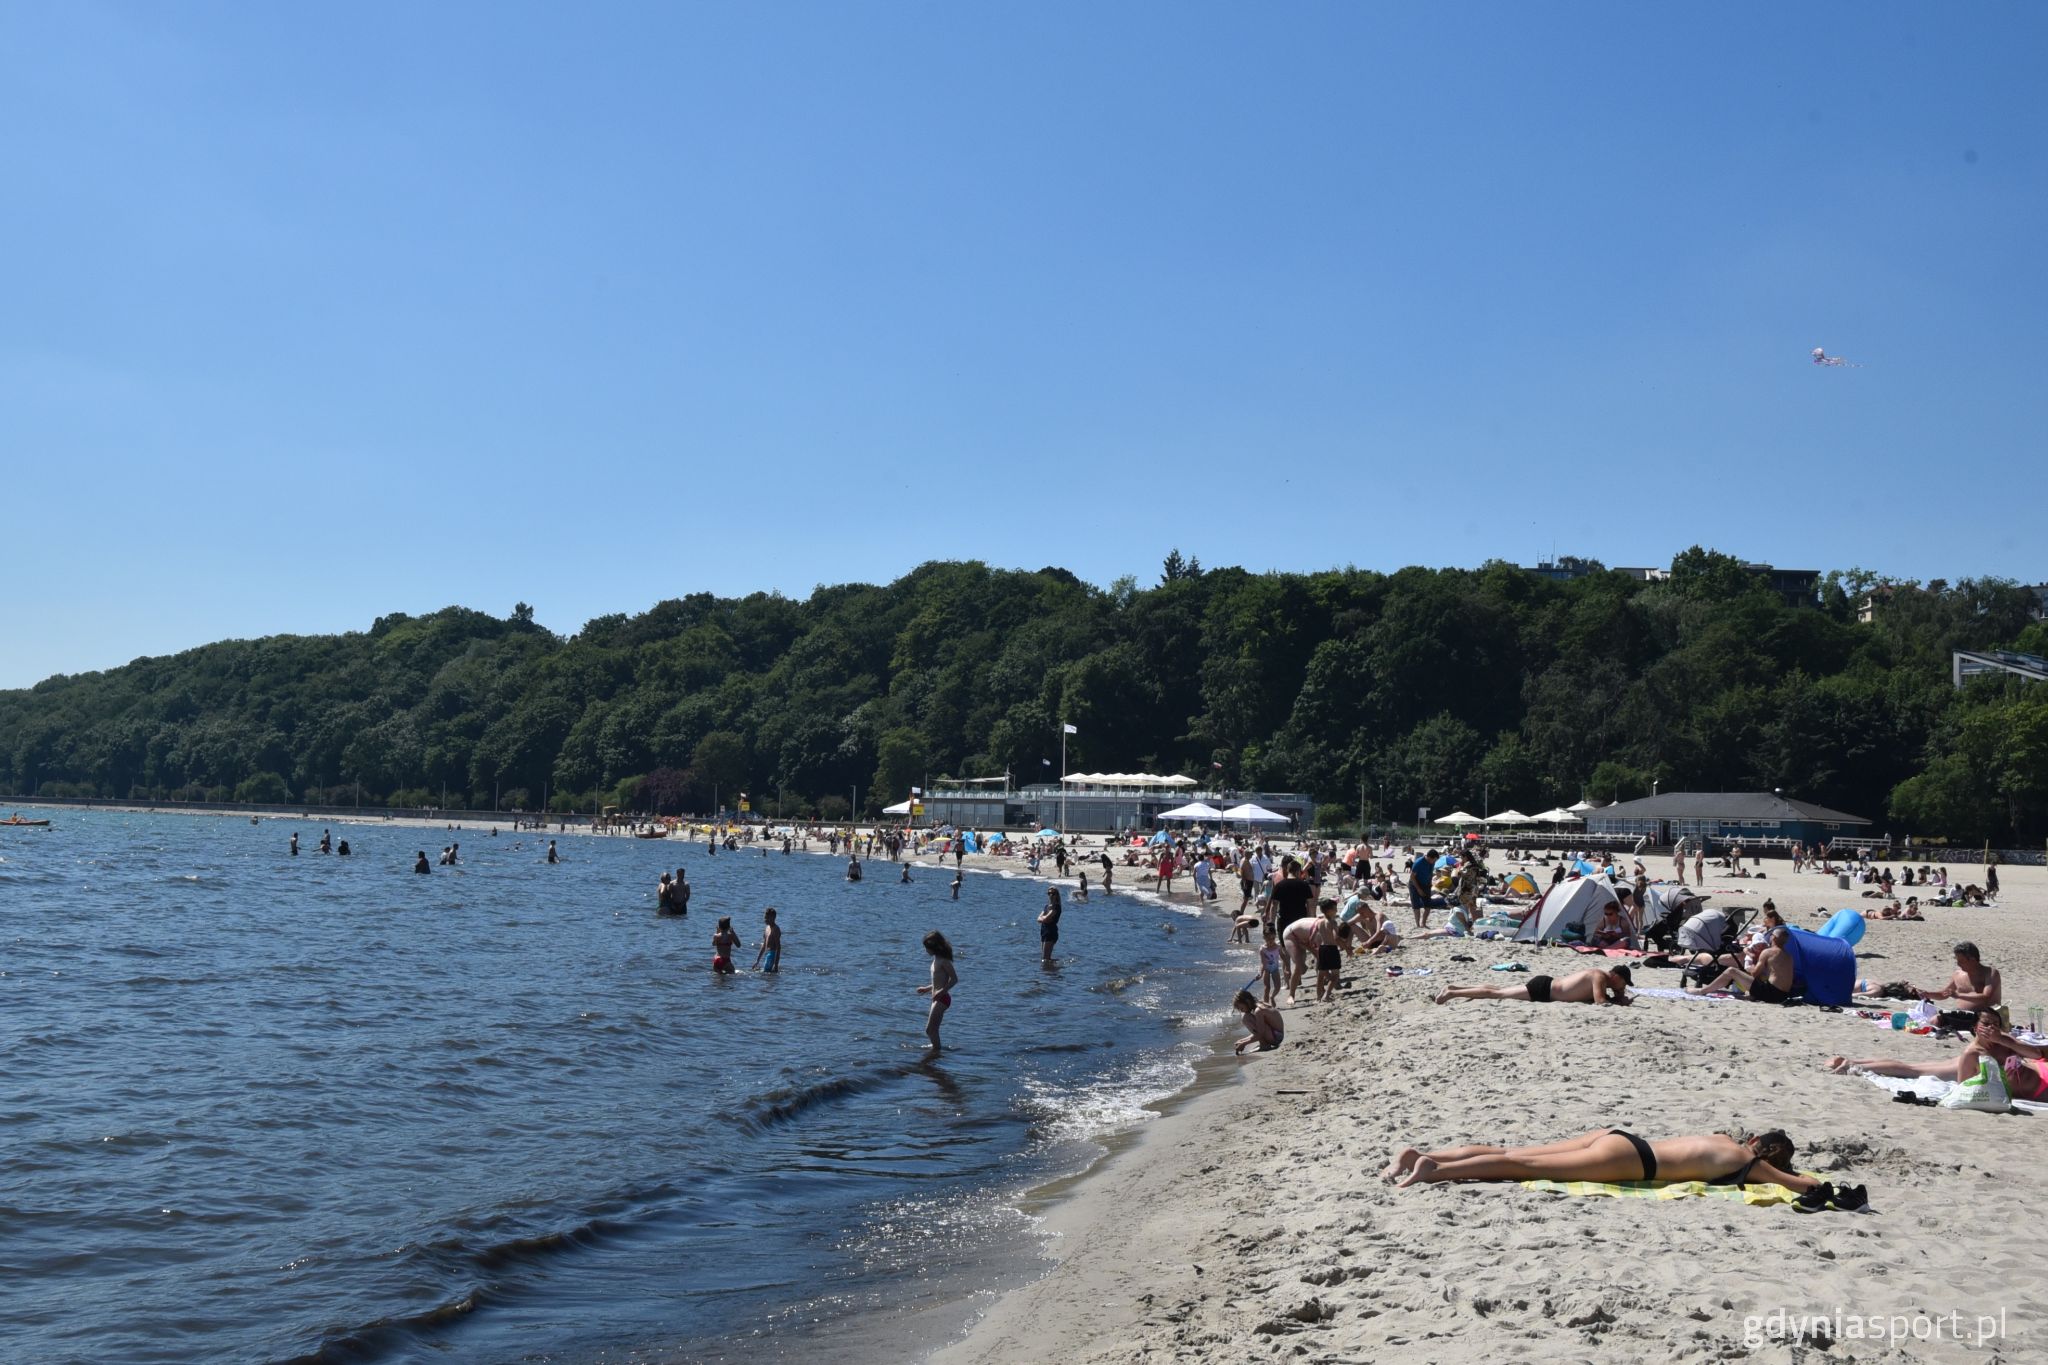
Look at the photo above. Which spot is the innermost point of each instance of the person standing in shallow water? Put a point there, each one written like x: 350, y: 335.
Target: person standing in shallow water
x: 420, y: 865
x: 295, y: 845
x: 1049, y: 924
x: 944, y: 978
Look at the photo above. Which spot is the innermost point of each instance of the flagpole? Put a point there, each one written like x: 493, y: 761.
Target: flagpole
x: 1063, y: 779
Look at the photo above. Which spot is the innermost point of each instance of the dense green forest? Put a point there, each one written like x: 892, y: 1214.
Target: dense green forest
x: 1422, y: 687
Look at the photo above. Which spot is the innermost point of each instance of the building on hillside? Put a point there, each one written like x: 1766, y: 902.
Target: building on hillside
x: 1565, y: 568
x: 1970, y: 663
x: 1797, y: 588
x: 2039, y: 592
x: 1725, y: 816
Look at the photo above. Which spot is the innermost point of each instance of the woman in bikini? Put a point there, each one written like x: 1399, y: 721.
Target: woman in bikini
x: 2025, y: 1065
x: 944, y: 978
x: 722, y: 943
x: 1611, y: 1154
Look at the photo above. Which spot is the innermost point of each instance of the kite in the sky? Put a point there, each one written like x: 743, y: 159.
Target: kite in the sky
x: 1821, y: 357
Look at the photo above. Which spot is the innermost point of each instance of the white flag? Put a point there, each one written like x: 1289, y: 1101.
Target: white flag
x: 1069, y: 729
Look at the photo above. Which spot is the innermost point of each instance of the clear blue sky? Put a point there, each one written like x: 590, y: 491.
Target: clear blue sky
x: 313, y: 313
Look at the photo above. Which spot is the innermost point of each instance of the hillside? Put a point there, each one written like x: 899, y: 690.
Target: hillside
x: 1429, y: 687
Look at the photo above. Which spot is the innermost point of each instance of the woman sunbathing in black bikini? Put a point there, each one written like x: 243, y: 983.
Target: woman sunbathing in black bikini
x: 1610, y: 1154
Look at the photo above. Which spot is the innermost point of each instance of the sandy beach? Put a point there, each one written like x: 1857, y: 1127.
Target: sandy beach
x: 1252, y: 1222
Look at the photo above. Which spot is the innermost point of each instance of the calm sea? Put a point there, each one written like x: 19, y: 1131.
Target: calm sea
x: 256, y: 1107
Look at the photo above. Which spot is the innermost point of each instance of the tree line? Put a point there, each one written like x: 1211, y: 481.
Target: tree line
x: 1375, y: 692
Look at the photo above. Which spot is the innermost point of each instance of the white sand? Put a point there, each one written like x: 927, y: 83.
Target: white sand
x: 1230, y: 1222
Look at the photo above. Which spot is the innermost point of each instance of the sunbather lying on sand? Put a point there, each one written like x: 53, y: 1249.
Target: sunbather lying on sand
x: 1590, y: 987
x: 2026, y: 1071
x: 1610, y: 1154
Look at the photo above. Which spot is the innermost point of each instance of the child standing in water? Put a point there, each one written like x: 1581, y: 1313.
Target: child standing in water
x: 722, y: 944
x: 1269, y: 965
x: 944, y: 978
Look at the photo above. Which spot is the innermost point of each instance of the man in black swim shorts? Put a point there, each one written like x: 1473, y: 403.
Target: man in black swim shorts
x: 1590, y: 987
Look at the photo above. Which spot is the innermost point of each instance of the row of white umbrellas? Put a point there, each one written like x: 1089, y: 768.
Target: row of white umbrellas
x: 1255, y: 814
x: 1558, y: 816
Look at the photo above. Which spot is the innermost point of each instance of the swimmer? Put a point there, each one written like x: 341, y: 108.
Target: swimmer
x: 771, y: 942
x: 1049, y: 924
x: 723, y: 941
x: 420, y: 866
x: 944, y: 977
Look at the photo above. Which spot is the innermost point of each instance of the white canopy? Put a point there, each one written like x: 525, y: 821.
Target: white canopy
x: 1196, y: 811
x: 1555, y: 816
x: 1257, y: 815
x: 1459, y: 817
x: 1582, y: 804
x: 1128, y: 780
x: 900, y: 808
x: 1508, y: 817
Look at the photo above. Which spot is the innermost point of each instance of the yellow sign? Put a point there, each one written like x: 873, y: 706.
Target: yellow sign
x: 745, y: 805
x: 917, y: 808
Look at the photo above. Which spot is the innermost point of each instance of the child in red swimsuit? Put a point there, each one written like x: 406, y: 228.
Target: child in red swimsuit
x: 944, y: 978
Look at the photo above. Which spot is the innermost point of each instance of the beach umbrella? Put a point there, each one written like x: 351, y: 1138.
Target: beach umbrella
x: 1195, y: 811
x: 1047, y: 834
x: 1254, y: 814
x: 1582, y: 804
x: 1508, y: 817
x: 1555, y: 816
x: 1459, y: 817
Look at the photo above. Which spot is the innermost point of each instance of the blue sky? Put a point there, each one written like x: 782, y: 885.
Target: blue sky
x: 316, y: 313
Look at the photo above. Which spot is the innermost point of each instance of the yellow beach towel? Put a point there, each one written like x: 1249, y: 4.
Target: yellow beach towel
x: 1674, y: 1189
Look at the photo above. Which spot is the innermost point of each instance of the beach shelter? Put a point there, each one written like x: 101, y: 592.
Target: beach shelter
x: 1162, y: 837
x: 900, y: 808
x: 1568, y: 904
x: 1520, y: 884
x: 1257, y: 815
x: 1193, y: 811
x: 1824, y: 969
x: 1459, y: 817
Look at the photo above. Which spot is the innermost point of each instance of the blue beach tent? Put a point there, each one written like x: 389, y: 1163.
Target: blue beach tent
x: 1825, y: 968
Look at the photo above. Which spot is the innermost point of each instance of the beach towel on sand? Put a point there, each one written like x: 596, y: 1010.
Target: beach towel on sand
x: 1672, y: 1189
x: 1934, y: 1088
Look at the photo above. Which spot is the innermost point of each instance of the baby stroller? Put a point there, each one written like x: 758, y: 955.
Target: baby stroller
x: 1664, y: 909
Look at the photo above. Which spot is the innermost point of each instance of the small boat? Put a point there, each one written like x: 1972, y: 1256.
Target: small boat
x: 652, y: 834
x: 20, y: 823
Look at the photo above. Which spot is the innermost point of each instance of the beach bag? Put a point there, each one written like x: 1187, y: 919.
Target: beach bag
x: 1985, y: 1090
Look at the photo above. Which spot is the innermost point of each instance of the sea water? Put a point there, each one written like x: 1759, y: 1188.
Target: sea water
x: 260, y: 1107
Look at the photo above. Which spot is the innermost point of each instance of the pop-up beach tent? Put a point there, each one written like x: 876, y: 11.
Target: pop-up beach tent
x: 1257, y: 815
x: 1193, y: 811
x: 1580, y: 903
x: 1824, y: 968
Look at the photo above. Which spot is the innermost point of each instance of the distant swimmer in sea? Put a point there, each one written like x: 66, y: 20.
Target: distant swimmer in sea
x: 906, y: 873
x: 944, y: 978
x: 553, y: 856
x: 343, y: 850
x: 420, y: 866
x: 295, y: 845
x: 679, y: 892
x: 957, y: 876
x: 771, y: 942
x: 853, y: 869
x: 723, y: 941
x: 664, y: 896
x: 326, y: 841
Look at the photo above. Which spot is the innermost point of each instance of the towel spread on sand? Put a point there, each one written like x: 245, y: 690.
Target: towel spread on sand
x: 1673, y: 1189
x: 1934, y: 1087
x: 1667, y: 993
